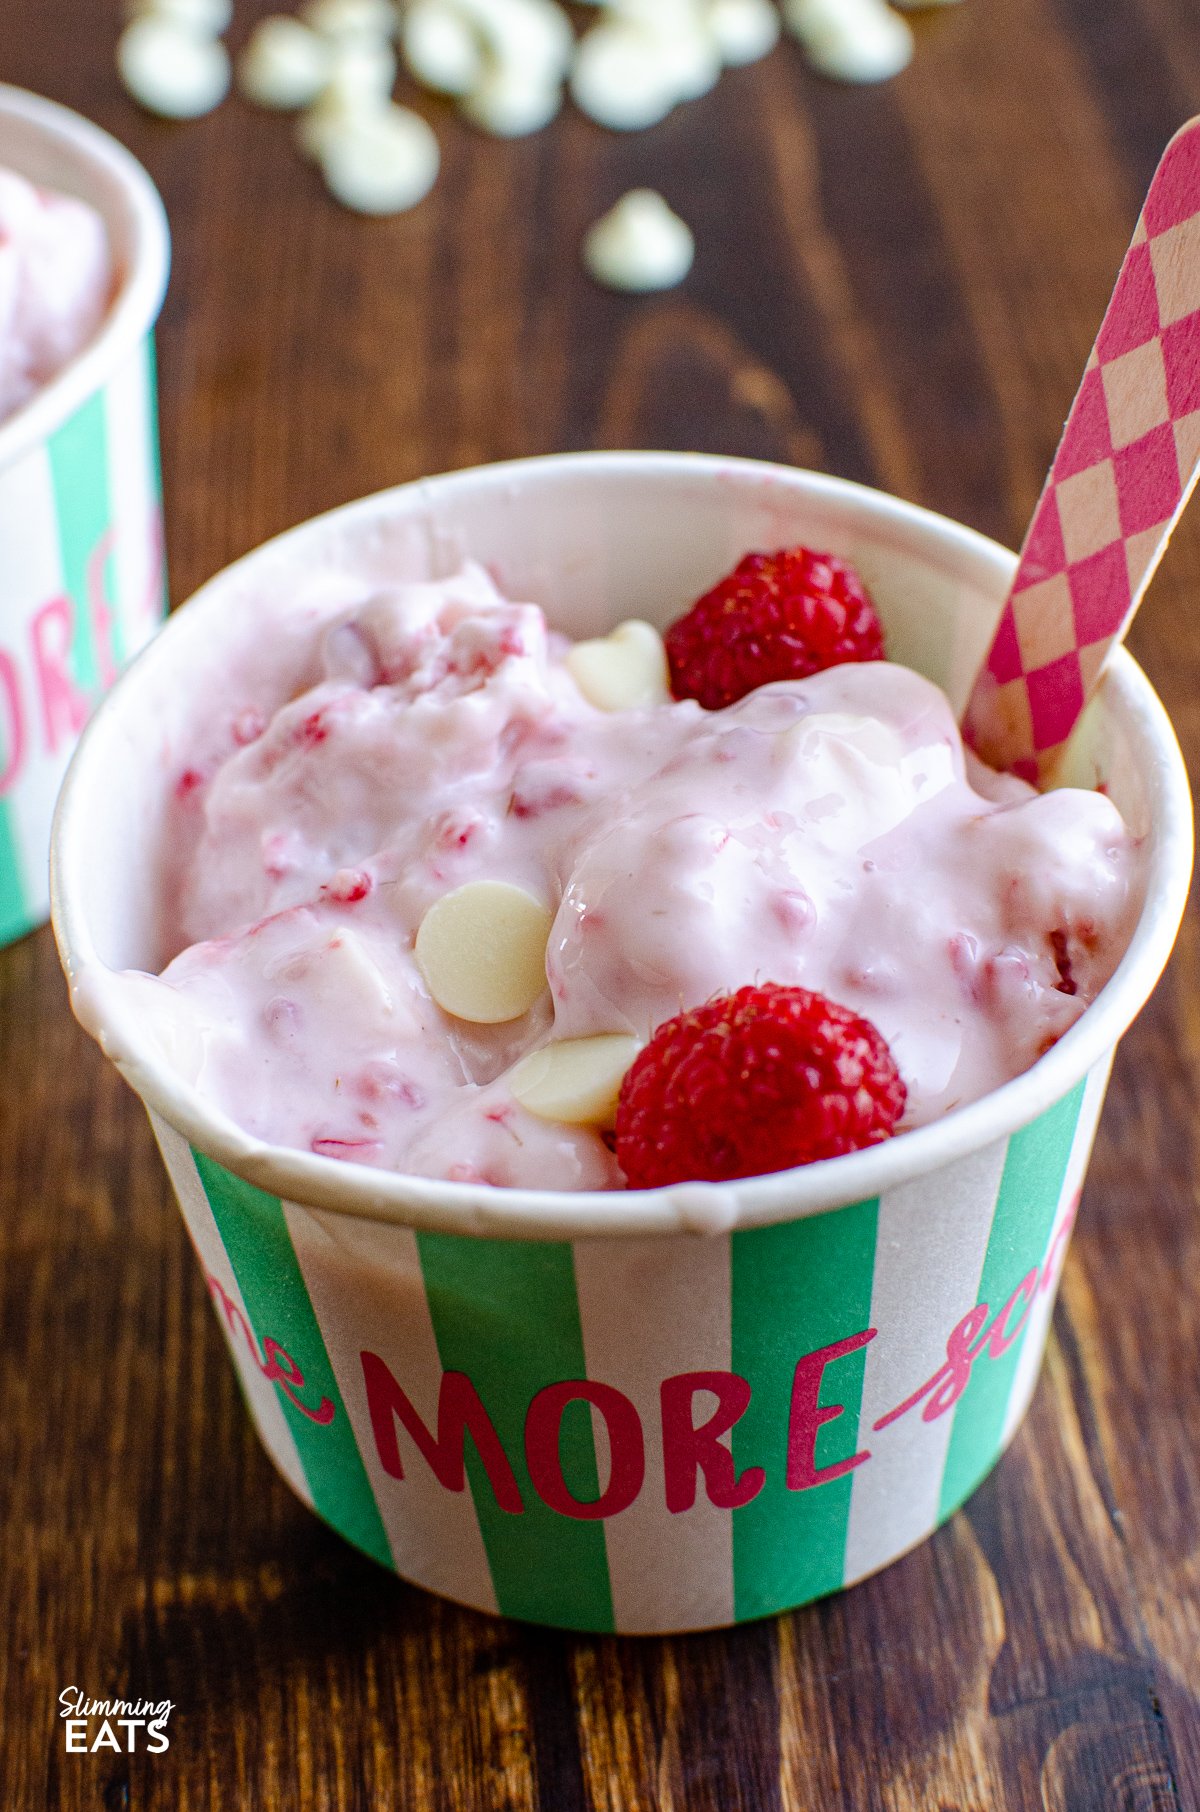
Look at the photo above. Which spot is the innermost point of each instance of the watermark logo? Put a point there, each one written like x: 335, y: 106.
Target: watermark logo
x: 94, y: 1724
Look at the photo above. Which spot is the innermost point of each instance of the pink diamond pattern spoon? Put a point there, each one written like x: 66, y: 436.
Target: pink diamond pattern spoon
x: 1126, y: 465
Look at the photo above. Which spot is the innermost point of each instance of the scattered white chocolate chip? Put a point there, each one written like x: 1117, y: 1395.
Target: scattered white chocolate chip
x: 505, y: 62
x: 533, y: 37
x: 524, y: 49
x: 618, y: 80
x: 482, y: 951
x: 284, y: 65
x: 361, y: 73
x: 557, y: 32
x: 743, y: 30
x: 639, y: 244
x: 171, y: 69
x: 318, y: 124
x: 379, y: 161
x: 509, y: 103
x: 624, y: 671
x: 205, y: 17
x: 330, y: 117
x: 576, y: 1080
x: 851, y: 40
x: 642, y: 58
x: 441, y: 49
x: 690, y: 58
x: 350, y: 18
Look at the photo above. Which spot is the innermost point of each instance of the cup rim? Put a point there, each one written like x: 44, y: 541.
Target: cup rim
x: 129, y: 200
x: 485, y: 1210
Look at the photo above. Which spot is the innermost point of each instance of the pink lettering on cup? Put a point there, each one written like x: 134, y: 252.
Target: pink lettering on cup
x: 627, y: 1449
x: 460, y: 1413
x: 691, y: 1448
x: 809, y: 1415
x: 966, y: 1342
x: 278, y: 1367
x: 64, y: 707
x: 281, y: 1369
x: 1000, y: 1335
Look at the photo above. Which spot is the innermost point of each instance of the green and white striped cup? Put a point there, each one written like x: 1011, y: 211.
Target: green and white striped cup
x: 651, y: 1411
x: 81, y: 567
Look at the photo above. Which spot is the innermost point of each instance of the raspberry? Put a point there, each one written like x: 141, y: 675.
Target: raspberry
x: 752, y: 1082
x: 775, y: 617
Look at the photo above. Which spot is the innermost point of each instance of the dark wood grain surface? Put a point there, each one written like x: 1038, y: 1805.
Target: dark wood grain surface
x: 899, y: 285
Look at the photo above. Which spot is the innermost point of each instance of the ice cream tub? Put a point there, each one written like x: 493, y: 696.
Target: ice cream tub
x: 638, y: 1411
x: 81, y: 568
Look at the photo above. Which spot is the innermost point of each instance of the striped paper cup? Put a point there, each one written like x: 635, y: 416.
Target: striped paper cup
x: 81, y: 568
x: 644, y: 1411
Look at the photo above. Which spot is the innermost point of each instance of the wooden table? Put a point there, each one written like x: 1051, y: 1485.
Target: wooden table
x: 898, y: 285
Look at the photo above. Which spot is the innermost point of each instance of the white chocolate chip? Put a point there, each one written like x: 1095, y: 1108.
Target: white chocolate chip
x: 624, y: 671
x: 678, y: 38
x: 530, y: 37
x: 317, y: 125
x: 379, y: 160
x: 482, y: 951
x: 691, y: 60
x: 350, y: 18
x: 556, y: 31
x: 361, y: 72
x: 639, y: 245
x: 170, y: 69
x: 851, y: 40
x: 525, y: 48
x: 441, y: 48
x: 619, y: 81
x: 662, y: 18
x: 508, y: 103
x: 353, y: 106
x: 285, y: 64
x: 576, y: 1080
x: 333, y: 114
x: 743, y: 30
x: 207, y: 18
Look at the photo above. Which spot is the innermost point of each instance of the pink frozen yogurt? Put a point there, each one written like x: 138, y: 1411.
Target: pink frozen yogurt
x: 56, y: 282
x: 826, y: 832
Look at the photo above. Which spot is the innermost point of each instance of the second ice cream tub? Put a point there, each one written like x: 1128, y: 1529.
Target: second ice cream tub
x: 81, y: 568
x: 648, y: 1410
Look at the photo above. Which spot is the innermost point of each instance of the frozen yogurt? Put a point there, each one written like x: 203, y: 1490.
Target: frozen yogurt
x: 430, y: 907
x: 56, y: 282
